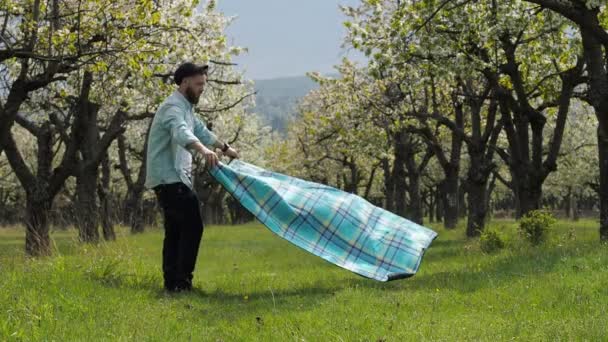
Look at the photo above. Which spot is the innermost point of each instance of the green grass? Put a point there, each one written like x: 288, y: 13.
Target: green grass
x: 255, y: 286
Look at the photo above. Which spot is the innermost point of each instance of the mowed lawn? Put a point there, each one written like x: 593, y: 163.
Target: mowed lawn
x: 252, y: 285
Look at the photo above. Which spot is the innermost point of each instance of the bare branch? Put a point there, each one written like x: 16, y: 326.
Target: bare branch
x: 28, y: 124
x: 229, y: 106
x: 141, y: 116
x: 502, y: 180
x: 236, y: 82
x: 222, y: 63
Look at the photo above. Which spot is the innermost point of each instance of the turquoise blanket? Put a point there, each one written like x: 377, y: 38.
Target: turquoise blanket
x: 339, y: 227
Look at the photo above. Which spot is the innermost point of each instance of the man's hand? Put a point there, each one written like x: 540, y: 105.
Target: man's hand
x: 211, y: 158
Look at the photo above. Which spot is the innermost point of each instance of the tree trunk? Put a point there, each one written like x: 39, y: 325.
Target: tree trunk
x: 399, y: 181
x: 489, y: 191
x: 567, y: 203
x: 86, y: 205
x: 103, y: 191
x: 415, y: 205
x: 603, y: 159
x: 133, y: 211
x: 107, y: 226
x: 133, y: 208
x: 414, y: 209
x: 477, y: 205
x: 353, y: 183
x: 528, y: 197
x: 595, y: 58
x: 574, y: 206
x: 93, y: 148
x: 439, y: 202
x: 478, y: 192
x: 462, y: 206
x: 431, y: 206
x: 451, y: 199
x: 370, y: 182
x: 388, y: 186
x: 37, y: 239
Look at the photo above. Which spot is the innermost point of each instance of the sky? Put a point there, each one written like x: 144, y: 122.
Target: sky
x: 287, y: 37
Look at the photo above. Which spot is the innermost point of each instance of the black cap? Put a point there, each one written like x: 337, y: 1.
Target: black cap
x: 188, y: 69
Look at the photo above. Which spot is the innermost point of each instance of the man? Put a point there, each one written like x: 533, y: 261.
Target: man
x: 175, y: 134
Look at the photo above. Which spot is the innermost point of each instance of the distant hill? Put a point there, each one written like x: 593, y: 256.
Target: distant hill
x: 277, y: 98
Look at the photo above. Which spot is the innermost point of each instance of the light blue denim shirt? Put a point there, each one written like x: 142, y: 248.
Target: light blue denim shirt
x: 173, y: 128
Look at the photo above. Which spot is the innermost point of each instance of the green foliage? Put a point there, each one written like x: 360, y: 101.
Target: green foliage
x: 535, y: 225
x: 490, y: 241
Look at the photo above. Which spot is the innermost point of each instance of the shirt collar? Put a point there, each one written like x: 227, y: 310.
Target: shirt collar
x: 179, y: 96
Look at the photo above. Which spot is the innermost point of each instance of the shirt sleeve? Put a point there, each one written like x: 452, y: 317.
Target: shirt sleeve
x: 175, y: 122
x: 203, y: 134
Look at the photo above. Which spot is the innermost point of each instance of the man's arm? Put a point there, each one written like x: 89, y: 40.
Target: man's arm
x: 174, y: 121
x: 210, y: 157
x: 205, y: 135
x: 210, y: 139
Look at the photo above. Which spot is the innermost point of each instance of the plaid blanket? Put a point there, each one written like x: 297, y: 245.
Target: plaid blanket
x: 339, y: 227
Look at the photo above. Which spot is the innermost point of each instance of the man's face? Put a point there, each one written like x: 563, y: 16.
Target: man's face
x: 194, y: 87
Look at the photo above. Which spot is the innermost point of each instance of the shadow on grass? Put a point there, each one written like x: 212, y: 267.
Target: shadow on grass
x: 236, y: 305
x: 220, y: 305
x: 472, y: 272
x: 503, y: 268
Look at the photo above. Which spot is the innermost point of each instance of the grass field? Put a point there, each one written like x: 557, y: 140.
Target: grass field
x: 253, y: 285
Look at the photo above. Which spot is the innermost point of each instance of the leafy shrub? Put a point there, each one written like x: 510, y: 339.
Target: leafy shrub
x: 490, y: 241
x: 535, y: 225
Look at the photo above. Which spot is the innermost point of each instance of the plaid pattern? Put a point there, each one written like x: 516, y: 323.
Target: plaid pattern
x: 339, y: 227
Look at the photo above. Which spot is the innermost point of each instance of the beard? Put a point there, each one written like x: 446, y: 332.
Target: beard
x: 191, y: 96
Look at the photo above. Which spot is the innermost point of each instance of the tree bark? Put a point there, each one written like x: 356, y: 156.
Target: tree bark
x: 87, y: 219
x: 370, y: 182
x: 439, y: 202
x: 399, y: 175
x: 462, y: 208
x: 414, y: 210
x: 353, y: 183
x: 603, y: 187
x: 86, y: 205
x: 389, y: 186
x: 106, y: 212
x: 574, y: 207
x: 451, y: 198
x: 133, y: 208
x: 93, y: 149
x: 477, y: 206
x: 431, y: 205
x: 37, y: 238
x: 567, y: 203
x: 133, y: 205
x: 477, y: 189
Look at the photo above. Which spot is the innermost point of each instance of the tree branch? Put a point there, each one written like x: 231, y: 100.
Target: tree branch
x: 502, y: 180
x: 28, y: 124
x: 229, y: 106
x: 22, y: 171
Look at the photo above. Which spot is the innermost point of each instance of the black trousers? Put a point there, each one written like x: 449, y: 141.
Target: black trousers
x: 183, y: 232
